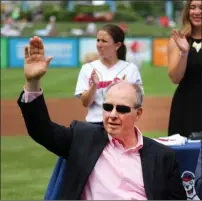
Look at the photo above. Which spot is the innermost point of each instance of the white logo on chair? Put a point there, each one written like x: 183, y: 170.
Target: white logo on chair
x: 188, y: 183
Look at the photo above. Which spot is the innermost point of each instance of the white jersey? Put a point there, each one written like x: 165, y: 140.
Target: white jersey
x: 121, y: 70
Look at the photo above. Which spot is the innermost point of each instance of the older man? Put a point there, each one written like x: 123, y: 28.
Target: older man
x: 111, y: 162
x: 198, y: 174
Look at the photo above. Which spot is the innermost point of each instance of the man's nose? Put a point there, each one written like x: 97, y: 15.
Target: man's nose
x: 113, y: 113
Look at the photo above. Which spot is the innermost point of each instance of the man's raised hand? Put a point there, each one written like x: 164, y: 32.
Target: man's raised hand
x: 35, y: 64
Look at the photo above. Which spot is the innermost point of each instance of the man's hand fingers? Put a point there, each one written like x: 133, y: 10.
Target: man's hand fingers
x: 26, y: 51
x: 48, y: 60
x: 34, y: 45
x: 41, y: 46
x: 41, y: 52
x: 31, y: 46
x: 31, y: 50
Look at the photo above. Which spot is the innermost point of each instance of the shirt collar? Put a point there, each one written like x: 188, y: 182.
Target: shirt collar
x: 139, y: 145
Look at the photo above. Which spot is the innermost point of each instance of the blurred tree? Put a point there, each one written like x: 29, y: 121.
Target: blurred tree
x: 178, y: 5
x: 147, y: 8
x: 155, y: 8
x: 63, y: 3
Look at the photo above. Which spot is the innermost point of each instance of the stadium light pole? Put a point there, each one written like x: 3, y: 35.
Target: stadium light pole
x: 24, y: 5
x: 112, y: 5
x: 169, y: 9
x: 70, y: 5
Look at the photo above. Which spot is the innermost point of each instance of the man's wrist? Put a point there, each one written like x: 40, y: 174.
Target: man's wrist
x: 33, y: 86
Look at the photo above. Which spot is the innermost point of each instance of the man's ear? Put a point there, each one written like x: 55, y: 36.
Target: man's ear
x: 139, y: 113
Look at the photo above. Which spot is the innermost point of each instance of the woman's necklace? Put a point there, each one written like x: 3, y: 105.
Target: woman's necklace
x: 197, y: 46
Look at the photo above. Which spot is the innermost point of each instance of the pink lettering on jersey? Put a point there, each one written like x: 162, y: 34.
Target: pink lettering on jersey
x: 105, y: 84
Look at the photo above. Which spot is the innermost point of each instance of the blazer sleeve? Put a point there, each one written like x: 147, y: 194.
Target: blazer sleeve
x: 52, y: 136
x: 198, y: 174
x: 175, y: 188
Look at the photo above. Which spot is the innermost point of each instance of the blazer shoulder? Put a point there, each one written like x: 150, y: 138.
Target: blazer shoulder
x: 85, y: 128
x: 157, y: 147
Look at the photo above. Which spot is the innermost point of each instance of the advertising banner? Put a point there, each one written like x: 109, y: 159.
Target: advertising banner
x: 4, y: 52
x: 139, y: 50
x: 160, y: 52
x: 64, y: 51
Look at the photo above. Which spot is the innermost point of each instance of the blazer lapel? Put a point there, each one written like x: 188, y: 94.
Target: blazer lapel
x: 99, y: 142
x: 147, y: 168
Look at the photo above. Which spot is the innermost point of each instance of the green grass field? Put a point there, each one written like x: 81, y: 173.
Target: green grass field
x: 60, y: 82
x: 134, y: 29
x: 26, y: 167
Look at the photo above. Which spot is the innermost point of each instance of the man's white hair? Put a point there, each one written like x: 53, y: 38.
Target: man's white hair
x: 138, y: 88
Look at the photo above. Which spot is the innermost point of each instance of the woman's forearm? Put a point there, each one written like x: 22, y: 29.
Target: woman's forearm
x: 88, y: 96
x: 177, y: 67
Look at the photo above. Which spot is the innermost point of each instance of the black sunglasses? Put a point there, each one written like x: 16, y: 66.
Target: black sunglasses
x: 119, y: 108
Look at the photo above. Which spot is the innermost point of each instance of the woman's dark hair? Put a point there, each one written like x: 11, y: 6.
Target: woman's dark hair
x: 118, y: 35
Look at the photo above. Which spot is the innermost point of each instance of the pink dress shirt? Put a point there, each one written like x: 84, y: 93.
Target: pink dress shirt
x: 117, y: 174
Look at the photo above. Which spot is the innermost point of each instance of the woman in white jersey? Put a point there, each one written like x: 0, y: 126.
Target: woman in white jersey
x: 96, y: 76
